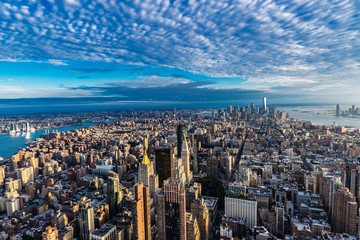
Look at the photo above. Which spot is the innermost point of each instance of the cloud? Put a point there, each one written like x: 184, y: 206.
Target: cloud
x: 311, y: 42
x: 173, y: 89
x: 227, y: 38
x: 57, y: 62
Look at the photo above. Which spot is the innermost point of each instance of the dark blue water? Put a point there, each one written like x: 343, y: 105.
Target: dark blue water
x: 9, y: 144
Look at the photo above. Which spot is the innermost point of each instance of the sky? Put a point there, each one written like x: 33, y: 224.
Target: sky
x: 171, y: 52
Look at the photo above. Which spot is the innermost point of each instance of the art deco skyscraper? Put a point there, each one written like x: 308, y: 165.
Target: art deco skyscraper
x: 114, y: 193
x: 146, y: 174
x: 86, y: 219
x: 171, y: 218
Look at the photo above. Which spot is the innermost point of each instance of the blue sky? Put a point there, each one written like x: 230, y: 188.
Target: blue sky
x: 166, y: 51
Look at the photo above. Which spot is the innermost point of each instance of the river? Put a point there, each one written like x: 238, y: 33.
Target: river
x: 9, y: 144
x: 321, y: 115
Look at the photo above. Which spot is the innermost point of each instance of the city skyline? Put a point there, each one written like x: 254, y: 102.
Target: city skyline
x: 158, y: 53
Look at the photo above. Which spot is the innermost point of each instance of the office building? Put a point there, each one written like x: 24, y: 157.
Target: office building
x: 50, y: 233
x: 86, y: 219
x: 179, y: 171
x: 264, y: 104
x: 114, y: 193
x: 196, y: 148
x: 279, y: 215
x: 147, y: 176
x: 192, y: 227
x: 67, y: 233
x: 106, y: 232
x: 171, y: 218
x: 338, y: 110
x: 212, y: 167
x: 141, y: 213
x: 164, y: 163
x: 180, y: 139
x: 352, y: 179
x: 185, y: 156
x: 200, y: 211
x: 344, y: 212
x: 238, y: 205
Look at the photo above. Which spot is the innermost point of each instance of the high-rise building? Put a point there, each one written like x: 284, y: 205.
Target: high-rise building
x: 2, y: 175
x: 141, y: 213
x: 179, y: 171
x: 192, y: 227
x: 238, y: 206
x: 171, y: 218
x: 200, y: 211
x: 51, y: 233
x: 86, y: 219
x: 164, y: 163
x: 185, y: 156
x: 196, y: 149
x: 228, y: 166
x: 146, y: 174
x: 180, y: 139
x: 352, y: 179
x: 212, y: 167
x: 337, y: 110
x: 264, y: 104
x: 279, y: 215
x: 344, y: 212
x: 114, y: 193
x: 106, y: 232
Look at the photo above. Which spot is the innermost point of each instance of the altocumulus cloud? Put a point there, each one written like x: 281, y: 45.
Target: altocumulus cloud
x: 220, y: 38
x: 311, y: 39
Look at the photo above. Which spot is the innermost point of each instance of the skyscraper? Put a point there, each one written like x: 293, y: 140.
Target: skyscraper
x: 338, y: 110
x: 185, y: 156
x: 352, y: 179
x: 114, y: 193
x: 192, y: 227
x: 212, y: 167
x: 86, y: 219
x: 237, y: 206
x: 141, y: 213
x: 279, y: 215
x: 179, y: 171
x: 171, y: 218
x: 200, y: 211
x: 344, y: 212
x: 264, y: 104
x: 164, y: 163
x: 146, y: 174
x: 180, y: 139
x: 196, y: 148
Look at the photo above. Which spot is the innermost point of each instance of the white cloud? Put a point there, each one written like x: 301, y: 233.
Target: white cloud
x: 256, y: 39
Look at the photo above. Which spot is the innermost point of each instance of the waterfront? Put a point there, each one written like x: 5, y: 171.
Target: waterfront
x: 321, y: 115
x: 9, y: 144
